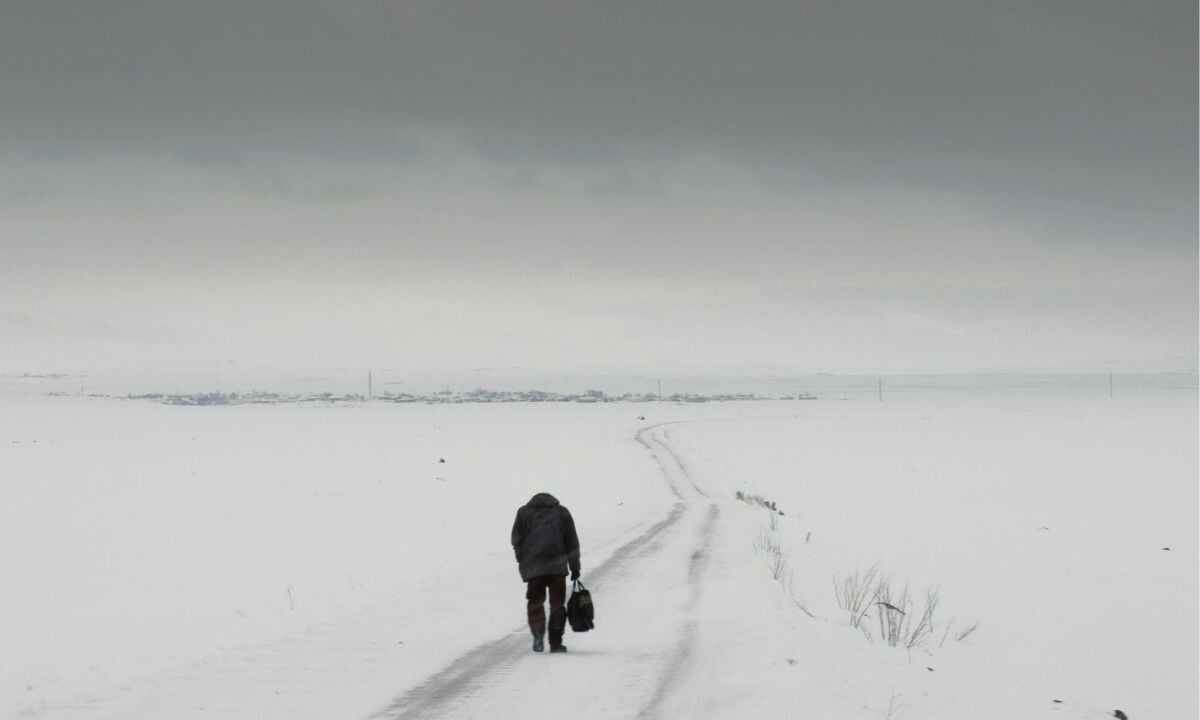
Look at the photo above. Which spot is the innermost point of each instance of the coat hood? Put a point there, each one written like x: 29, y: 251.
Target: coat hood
x: 543, y: 500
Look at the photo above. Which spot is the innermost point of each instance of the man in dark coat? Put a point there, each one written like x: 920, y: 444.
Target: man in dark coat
x: 544, y: 539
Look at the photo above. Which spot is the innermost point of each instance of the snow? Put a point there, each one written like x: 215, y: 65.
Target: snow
x: 308, y: 561
x: 1044, y: 519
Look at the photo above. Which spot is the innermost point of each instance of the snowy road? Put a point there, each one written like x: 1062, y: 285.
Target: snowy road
x: 637, y: 657
x: 673, y: 468
x: 382, y: 659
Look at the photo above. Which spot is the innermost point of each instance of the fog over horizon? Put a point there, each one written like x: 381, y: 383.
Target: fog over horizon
x: 915, y: 187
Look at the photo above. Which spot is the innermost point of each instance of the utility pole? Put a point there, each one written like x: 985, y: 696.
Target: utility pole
x: 370, y: 392
x: 880, y: 389
x: 660, y: 389
x: 1110, y: 389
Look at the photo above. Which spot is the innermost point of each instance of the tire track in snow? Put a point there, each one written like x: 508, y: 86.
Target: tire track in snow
x: 471, y: 669
x: 669, y: 680
x: 640, y: 437
x: 645, y: 437
x: 474, y: 669
x: 665, y: 445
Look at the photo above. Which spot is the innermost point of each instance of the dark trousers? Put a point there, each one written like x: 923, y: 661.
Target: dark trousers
x: 535, y: 594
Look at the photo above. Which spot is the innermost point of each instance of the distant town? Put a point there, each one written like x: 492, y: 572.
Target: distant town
x: 446, y: 397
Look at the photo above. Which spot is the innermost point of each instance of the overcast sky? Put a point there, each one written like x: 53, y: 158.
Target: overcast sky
x: 814, y: 186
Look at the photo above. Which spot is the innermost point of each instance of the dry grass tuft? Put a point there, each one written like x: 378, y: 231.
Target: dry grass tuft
x: 856, y: 592
x: 902, y: 620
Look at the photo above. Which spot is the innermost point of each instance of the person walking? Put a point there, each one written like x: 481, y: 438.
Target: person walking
x: 546, y: 546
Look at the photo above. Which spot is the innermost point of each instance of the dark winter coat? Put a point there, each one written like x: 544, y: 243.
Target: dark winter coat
x: 544, y: 539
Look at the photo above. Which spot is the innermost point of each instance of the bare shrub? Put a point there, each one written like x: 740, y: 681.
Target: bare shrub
x: 960, y: 636
x: 892, y: 610
x: 946, y: 632
x: 856, y: 592
x: 777, y: 560
x: 967, y: 632
x: 917, y: 632
x: 766, y: 542
x: 866, y: 631
x: 803, y: 606
x: 900, y: 625
x: 778, y: 565
x: 902, y: 621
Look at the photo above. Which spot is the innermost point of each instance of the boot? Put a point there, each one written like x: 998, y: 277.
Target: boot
x: 560, y: 648
x: 537, y: 644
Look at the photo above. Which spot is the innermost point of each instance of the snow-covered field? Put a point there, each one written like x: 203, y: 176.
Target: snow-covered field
x: 303, y: 561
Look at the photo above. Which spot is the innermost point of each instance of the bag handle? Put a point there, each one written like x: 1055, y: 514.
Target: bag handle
x: 577, y: 585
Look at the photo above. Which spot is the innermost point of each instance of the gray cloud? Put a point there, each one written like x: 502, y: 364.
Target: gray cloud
x: 1079, y: 114
x: 1046, y: 147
